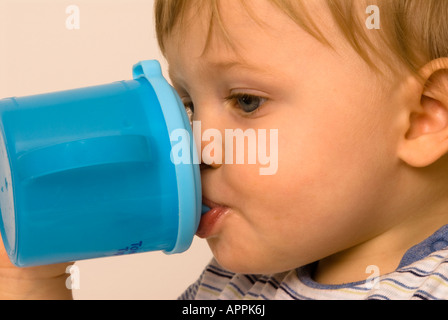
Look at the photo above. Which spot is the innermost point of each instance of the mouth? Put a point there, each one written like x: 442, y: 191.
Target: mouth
x: 212, y: 214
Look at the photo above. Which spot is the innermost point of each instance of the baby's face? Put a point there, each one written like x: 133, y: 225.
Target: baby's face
x: 336, y: 137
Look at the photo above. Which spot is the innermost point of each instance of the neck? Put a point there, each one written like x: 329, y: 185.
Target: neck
x: 382, y: 253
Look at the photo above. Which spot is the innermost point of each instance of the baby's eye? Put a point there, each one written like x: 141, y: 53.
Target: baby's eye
x: 246, y: 102
x: 188, y: 104
x: 189, y: 108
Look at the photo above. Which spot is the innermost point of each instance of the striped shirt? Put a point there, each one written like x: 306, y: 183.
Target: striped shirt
x: 422, y: 275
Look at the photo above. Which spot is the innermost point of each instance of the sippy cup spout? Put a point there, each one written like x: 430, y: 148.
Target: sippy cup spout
x: 205, y: 209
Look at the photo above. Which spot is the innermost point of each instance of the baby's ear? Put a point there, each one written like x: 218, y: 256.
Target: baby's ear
x: 426, y: 140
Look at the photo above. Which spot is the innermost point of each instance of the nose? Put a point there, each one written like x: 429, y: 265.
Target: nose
x: 210, y: 147
x: 208, y: 133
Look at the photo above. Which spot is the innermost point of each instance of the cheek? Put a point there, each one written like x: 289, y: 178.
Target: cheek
x: 341, y: 169
x: 329, y: 167
x: 332, y: 169
x: 322, y: 164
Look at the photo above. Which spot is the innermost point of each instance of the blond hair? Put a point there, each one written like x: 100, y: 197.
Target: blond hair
x: 414, y: 31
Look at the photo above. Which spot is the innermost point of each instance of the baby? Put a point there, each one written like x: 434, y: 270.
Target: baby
x: 357, y: 92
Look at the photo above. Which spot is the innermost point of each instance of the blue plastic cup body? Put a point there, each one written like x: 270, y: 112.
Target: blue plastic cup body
x: 88, y: 173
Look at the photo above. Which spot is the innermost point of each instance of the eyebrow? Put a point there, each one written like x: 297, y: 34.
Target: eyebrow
x: 225, y: 64
x: 231, y: 64
x: 228, y: 65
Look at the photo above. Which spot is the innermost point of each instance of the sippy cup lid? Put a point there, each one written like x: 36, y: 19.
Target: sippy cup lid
x: 188, y: 175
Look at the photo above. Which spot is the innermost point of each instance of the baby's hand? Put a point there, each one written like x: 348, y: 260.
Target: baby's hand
x: 36, y: 283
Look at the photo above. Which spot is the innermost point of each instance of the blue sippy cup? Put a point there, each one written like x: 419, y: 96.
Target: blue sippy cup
x: 88, y: 173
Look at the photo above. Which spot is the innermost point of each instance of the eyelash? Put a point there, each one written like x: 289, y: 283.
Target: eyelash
x: 233, y: 99
x: 237, y: 96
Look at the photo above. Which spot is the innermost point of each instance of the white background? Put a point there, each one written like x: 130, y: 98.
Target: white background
x: 39, y: 54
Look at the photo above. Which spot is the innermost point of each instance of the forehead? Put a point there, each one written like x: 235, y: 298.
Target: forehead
x: 231, y: 17
x: 242, y: 31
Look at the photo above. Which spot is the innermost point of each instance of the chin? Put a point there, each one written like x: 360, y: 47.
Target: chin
x: 229, y: 257
x: 242, y: 262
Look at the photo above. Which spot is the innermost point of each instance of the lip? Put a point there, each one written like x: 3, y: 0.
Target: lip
x: 210, y: 220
